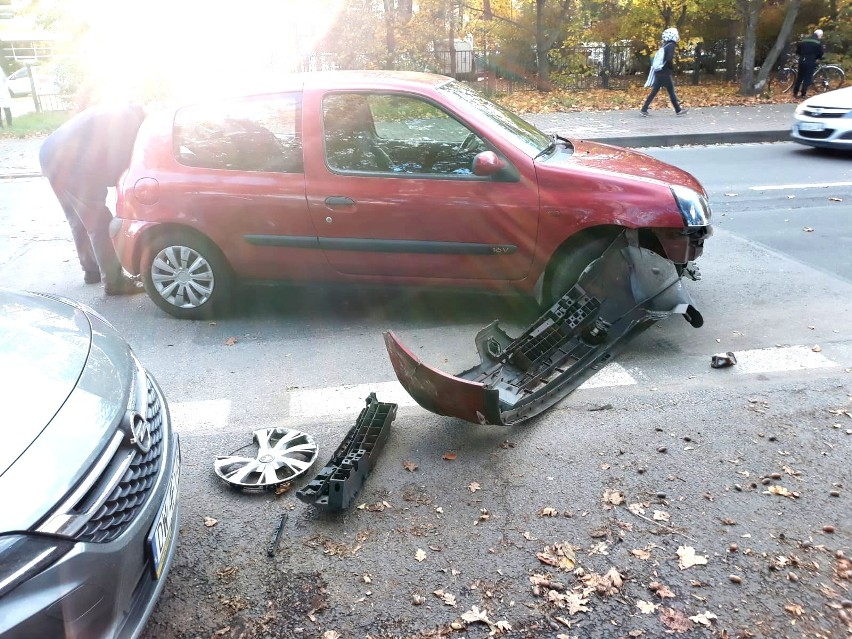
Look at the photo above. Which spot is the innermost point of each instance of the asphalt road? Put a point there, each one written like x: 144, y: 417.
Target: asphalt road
x: 659, y: 454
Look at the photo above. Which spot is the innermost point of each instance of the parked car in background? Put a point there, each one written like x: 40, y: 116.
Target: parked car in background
x: 825, y: 120
x: 19, y: 82
x: 89, y: 472
x: 383, y: 177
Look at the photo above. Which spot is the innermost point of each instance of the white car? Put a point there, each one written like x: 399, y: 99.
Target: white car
x: 825, y: 120
x: 19, y: 83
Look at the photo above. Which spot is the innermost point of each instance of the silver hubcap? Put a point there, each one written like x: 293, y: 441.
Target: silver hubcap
x: 182, y: 277
x: 282, y: 455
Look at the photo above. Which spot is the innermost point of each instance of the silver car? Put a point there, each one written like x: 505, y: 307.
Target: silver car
x: 89, y: 475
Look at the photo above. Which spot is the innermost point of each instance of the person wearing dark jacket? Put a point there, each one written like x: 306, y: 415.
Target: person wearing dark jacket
x: 809, y: 51
x: 661, y: 76
x: 81, y: 160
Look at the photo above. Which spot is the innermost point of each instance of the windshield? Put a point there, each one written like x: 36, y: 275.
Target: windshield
x: 523, y: 134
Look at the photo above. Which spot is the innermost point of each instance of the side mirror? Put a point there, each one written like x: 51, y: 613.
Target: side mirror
x: 487, y: 164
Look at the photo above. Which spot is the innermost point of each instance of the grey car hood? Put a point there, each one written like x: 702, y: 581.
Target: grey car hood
x: 66, y: 376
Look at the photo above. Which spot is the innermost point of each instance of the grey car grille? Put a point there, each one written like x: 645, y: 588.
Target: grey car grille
x: 132, y: 491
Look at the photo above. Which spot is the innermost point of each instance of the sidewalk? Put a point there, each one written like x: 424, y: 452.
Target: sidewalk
x: 703, y: 125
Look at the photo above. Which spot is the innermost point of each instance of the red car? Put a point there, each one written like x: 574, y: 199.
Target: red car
x: 383, y: 177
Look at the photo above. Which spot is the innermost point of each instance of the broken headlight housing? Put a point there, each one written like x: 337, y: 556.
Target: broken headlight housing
x: 693, y: 206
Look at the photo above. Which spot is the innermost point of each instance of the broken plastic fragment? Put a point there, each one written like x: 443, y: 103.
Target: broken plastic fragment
x: 617, y: 297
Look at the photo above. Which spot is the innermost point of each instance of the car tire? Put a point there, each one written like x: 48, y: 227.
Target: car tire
x: 569, y: 265
x: 186, y: 275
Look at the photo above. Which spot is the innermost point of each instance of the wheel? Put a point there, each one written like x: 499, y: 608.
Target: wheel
x: 570, y: 264
x: 785, y: 78
x: 185, y: 275
x: 828, y: 79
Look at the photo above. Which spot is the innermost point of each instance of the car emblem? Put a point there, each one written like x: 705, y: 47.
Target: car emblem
x: 140, y: 432
x: 816, y: 112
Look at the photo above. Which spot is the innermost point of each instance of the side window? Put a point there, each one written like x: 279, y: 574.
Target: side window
x: 399, y: 134
x: 259, y: 134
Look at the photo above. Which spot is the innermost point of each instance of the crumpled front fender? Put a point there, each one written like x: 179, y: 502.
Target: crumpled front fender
x: 618, y: 296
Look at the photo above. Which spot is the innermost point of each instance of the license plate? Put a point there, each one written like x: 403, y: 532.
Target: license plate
x: 811, y: 126
x: 161, y: 536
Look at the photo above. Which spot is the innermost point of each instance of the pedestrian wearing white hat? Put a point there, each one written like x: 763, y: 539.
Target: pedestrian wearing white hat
x: 662, y: 70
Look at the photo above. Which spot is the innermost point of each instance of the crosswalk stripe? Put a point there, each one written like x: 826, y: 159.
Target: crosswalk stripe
x: 348, y: 400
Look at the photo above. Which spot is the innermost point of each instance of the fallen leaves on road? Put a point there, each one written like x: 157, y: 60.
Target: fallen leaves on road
x: 612, y: 498
x: 474, y: 486
x: 449, y: 456
x: 687, y: 558
x: 547, y: 511
x: 449, y: 599
x: 661, y: 590
x: 647, y: 607
x: 661, y: 515
x: 475, y: 615
x: 331, y: 634
x: 230, y: 341
x: 704, y: 618
x: 409, y: 465
x: 675, y: 620
x: 560, y: 555
x: 794, y: 609
x: 605, y: 585
x: 778, y: 490
x: 210, y: 522
x: 420, y: 555
x: 641, y: 554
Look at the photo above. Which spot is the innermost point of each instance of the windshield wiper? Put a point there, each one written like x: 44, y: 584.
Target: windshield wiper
x: 550, y: 148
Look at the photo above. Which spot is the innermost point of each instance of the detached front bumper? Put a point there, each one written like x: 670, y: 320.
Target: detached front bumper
x: 621, y: 294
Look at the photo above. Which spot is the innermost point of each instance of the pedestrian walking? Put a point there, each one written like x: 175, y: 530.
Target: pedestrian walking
x: 5, y: 100
x: 662, y: 72
x: 81, y: 160
x: 809, y: 50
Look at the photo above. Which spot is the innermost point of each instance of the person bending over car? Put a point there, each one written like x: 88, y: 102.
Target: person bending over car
x: 81, y: 160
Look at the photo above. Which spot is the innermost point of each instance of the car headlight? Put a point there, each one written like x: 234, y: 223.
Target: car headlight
x: 24, y: 556
x: 693, y: 206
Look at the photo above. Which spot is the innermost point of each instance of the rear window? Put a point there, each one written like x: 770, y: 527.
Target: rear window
x: 259, y: 134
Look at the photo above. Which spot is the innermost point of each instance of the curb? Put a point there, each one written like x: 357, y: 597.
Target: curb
x: 686, y: 139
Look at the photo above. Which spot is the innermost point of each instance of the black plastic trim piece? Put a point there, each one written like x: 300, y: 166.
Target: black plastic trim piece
x: 340, y: 481
x: 414, y: 246
x: 290, y: 241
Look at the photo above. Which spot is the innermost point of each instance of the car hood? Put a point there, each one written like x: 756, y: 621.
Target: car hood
x: 838, y: 99
x: 71, y: 372
x: 617, y: 160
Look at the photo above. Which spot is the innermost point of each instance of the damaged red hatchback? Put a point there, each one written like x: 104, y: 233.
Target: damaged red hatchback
x: 384, y: 177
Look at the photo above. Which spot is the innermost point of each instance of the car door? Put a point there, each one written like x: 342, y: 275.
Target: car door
x: 248, y: 192
x: 396, y: 195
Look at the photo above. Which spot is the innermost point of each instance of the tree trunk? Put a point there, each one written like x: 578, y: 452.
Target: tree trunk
x: 780, y: 43
x: 750, y: 11
x: 390, y: 36
x: 731, y: 51
x: 542, y: 47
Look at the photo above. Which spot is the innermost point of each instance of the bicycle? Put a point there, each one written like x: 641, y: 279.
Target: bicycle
x: 827, y: 77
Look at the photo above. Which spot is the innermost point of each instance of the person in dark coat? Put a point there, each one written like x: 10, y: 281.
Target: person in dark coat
x: 809, y: 51
x: 662, y: 76
x: 81, y: 160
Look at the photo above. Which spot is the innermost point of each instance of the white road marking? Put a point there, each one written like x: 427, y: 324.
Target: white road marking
x: 778, y: 360
x: 348, y: 400
x: 197, y: 416
x: 786, y: 187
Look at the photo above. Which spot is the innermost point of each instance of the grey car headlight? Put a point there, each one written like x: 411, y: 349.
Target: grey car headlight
x: 24, y: 556
x: 693, y: 206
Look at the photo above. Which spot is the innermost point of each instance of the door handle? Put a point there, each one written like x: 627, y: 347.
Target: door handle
x: 337, y: 201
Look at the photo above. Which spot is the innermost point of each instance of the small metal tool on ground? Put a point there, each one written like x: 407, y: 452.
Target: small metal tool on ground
x: 276, y: 537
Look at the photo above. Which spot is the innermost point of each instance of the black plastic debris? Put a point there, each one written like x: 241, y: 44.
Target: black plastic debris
x: 618, y: 296
x: 723, y: 360
x: 340, y: 481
